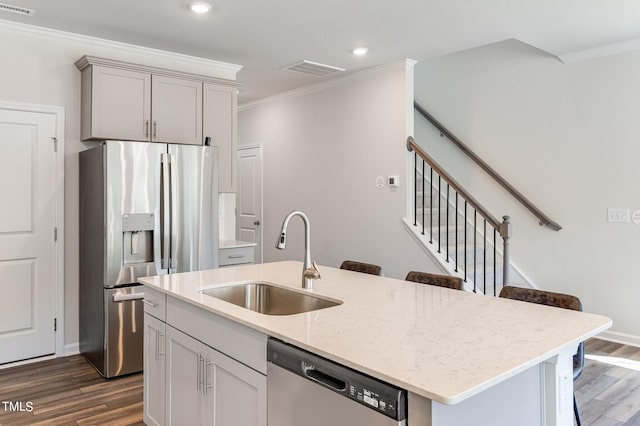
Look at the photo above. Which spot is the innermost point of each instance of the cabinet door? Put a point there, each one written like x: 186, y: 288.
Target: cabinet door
x: 184, y: 379
x: 120, y: 105
x: 154, y: 370
x: 177, y: 110
x: 239, y: 394
x: 219, y: 115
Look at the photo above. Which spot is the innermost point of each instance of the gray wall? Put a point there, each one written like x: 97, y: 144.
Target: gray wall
x: 322, y: 152
x: 565, y: 135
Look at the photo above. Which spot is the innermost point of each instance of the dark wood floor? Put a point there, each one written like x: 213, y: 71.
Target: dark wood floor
x: 68, y: 391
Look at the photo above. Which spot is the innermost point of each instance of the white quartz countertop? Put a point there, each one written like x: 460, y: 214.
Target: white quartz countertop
x: 229, y: 244
x: 445, y: 345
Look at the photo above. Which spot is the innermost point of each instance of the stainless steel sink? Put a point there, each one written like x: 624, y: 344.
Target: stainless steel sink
x: 266, y: 298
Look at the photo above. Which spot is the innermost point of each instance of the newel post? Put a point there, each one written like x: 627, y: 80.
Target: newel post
x: 505, y: 233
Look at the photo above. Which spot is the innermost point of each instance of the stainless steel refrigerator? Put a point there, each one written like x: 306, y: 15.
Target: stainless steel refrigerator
x: 145, y: 209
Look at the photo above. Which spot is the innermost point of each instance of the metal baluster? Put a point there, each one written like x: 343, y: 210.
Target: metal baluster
x: 456, y: 252
x: 424, y: 180
x: 439, y: 213
x: 465, y: 241
x: 484, y: 257
x: 446, y: 228
x: 505, y: 233
x: 431, y: 207
x: 415, y: 188
x: 494, y: 261
x: 475, y: 246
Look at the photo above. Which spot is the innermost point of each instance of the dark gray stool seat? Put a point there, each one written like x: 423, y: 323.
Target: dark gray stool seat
x: 366, y: 268
x: 447, y: 281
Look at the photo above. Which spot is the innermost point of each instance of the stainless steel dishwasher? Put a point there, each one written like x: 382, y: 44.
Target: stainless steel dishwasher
x: 306, y: 389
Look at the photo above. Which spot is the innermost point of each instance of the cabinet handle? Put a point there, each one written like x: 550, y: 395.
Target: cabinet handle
x: 158, y: 346
x: 199, y: 373
x: 201, y: 378
x: 206, y: 380
x: 256, y: 222
x: 146, y: 128
x: 155, y: 129
x: 149, y: 303
x: 235, y: 256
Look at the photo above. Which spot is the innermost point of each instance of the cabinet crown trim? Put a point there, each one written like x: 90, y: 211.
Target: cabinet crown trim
x: 87, y: 60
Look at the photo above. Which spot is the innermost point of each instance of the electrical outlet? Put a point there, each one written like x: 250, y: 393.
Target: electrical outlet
x: 618, y: 215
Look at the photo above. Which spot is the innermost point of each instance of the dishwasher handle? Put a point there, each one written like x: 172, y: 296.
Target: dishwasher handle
x: 312, y: 373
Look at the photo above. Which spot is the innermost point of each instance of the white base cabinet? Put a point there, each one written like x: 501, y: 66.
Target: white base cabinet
x: 188, y: 382
x: 154, y: 371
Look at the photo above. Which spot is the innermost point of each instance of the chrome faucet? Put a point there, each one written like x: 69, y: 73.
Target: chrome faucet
x: 310, y: 270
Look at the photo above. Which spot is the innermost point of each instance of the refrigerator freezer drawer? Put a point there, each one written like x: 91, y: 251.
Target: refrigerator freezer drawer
x: 124, y: 329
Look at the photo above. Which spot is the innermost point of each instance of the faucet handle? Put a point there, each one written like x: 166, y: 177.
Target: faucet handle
x: 313, y: 272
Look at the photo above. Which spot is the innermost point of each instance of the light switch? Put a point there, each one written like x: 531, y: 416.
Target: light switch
x: 618, y: 215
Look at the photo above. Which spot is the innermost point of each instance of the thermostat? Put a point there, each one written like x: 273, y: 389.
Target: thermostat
x: 394, y: 181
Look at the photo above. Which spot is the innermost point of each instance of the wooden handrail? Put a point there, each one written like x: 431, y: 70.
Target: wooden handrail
x: 544, y: 219
x: 412, y: 146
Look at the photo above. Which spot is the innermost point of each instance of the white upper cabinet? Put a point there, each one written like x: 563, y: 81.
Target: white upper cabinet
x: 176, y: 107
x: 116, y: 104
x: 125, y: 101
x: 220, y: 105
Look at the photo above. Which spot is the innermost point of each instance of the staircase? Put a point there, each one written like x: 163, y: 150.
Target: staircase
x: 457, y: 231
x: 460, y: 234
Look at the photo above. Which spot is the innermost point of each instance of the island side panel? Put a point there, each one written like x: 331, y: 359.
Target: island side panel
x: 515, y: 401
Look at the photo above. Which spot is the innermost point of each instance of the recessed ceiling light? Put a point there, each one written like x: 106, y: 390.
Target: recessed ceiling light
x: 200, y: 7
x: 359, y: 51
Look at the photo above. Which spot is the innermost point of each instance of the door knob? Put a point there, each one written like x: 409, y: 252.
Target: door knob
x: 256, y: 222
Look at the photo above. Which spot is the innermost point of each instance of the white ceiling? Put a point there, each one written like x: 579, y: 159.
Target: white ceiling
x: 265, y: 36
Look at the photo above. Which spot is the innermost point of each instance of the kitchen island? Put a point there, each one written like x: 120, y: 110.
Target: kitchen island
x: 464, y: 358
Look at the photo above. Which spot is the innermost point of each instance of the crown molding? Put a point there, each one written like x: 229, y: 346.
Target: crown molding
x: 597, y: 52
x: 337, y: 81
x: 217, y: 68
x: 87, y: 61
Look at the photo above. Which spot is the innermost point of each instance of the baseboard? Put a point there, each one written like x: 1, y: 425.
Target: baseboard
x: 71, y: 349
x: 617, y: 337
x: 26, y: 361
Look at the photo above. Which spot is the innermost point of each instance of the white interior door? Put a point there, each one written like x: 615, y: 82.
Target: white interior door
x: 249, y: 198
x: 27, y: 247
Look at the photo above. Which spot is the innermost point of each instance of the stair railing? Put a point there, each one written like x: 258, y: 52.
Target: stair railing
x: 543, y: 218
x: 433, y: 178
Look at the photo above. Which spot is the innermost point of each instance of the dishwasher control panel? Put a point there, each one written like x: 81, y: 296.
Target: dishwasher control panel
x: 384, y: 400
x: 375, y: 394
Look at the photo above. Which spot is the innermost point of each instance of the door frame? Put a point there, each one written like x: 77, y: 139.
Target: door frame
x: 261, y: 148
x: 59, y: 113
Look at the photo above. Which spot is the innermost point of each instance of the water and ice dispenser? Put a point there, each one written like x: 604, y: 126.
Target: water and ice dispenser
x: 137, y: 238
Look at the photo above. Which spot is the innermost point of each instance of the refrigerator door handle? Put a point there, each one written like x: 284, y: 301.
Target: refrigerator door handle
x: 174, y: 212
x: 165, y: 210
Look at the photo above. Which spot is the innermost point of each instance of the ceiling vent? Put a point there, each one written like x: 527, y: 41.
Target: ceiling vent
x: 16, y: 9
x: 312, y: 68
